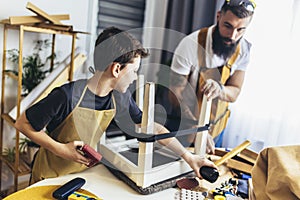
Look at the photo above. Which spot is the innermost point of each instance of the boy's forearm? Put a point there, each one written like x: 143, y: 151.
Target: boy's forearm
x: 39, y: 137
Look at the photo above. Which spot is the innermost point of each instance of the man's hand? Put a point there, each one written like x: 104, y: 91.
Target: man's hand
x: 212, y: 89
x: 210, y: 145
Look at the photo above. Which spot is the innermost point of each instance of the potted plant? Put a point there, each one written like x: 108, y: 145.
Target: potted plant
x: 33, y: 65
x: 27, y: 148
x: 9, y: 154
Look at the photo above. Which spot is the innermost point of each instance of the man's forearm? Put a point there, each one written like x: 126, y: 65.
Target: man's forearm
x: 229, y: 94
x: 177, y: 80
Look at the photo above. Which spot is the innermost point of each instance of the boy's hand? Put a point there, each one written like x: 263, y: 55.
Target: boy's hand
x: 69, y: 151
x: 196, y: 162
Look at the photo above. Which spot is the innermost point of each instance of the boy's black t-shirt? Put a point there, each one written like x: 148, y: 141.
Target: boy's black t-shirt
x: 52, y: 110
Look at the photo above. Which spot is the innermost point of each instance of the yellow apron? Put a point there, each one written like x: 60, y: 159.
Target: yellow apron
x: 219, y: 111
x: 82, y: 124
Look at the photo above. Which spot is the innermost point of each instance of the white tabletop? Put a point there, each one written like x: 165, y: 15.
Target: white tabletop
x: 105, y: 185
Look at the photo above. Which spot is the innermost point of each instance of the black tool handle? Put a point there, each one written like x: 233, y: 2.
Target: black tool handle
x: 209, y: 173
x: 67, y: 189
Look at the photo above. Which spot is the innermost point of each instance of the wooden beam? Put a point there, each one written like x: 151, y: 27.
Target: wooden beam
x: 35, y: 19
x: 145, y: 155
x: 8, y: 119
x: 67, y: 28
x: 238, y: 165
x: 244, y: 155
x: 232, y: 153
x: 249, y: 155
x: 41, y: 13
x: 58, y: 77
x: 4, y: 21
x: 201, y: 137
x: 63, y: 76
x: 45, y: 30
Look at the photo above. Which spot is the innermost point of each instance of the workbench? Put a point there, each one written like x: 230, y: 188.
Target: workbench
x: 102, y: 183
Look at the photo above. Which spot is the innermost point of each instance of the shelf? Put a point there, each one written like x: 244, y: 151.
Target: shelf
x: 9, y: 119
x: 19, y: 166
x: 23, y: 168
x: 12, y: 75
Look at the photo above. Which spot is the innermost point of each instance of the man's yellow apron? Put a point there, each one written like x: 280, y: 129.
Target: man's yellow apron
x: 82, y: 124
x: 219, y: 111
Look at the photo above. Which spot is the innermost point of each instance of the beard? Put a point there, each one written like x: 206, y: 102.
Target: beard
x: 219, y: 46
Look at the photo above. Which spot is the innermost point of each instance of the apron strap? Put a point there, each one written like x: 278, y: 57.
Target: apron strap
x: 113, y: 101
x: 227, y: 67
x: 81, y: 97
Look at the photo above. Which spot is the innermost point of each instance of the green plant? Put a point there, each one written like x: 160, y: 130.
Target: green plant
x: 33, y: 65
x: 25, y: 143
x: 10, y: 154
x: 24, y: 146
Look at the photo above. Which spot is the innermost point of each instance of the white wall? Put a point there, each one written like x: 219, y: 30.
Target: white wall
x: 78, y: 11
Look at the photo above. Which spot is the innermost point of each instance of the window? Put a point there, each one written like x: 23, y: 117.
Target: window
x: 126, y: 15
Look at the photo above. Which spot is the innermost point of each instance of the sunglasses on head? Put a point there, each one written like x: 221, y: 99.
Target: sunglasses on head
x: 247, y: 4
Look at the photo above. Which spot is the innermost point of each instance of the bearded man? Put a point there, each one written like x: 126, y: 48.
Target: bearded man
x: 212, y: 61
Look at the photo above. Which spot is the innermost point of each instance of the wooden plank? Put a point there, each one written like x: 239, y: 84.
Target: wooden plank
x: 8, y: 119
x: 35, y: 19
x: 45, y: 30
x: 220, y: 152
x: 201, y: 137
x: 232, y: 153
x: 4, y: 21
x: 238, y: 165
x: 249, y: 159
x: 139, y: 96
x: 56, y: 27
x: 41, y: 13
x: 11, y: 75
x: 249, y: 155
x: 246, y: 154
x: 63, y: 76
x: 58, y: 76
x: 145, y: 155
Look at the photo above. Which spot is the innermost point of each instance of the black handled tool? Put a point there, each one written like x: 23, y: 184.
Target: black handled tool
x: 209, y: 173
x: 67, y: 189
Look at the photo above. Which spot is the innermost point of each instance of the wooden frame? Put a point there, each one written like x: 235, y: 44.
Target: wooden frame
x: 143, y: 174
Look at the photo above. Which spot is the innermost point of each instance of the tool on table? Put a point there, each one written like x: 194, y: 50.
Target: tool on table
x: 187, y: 183
x: 81, y: 196
x: 68, y: 188
x: 211, y: 174
x: 90, y: 153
